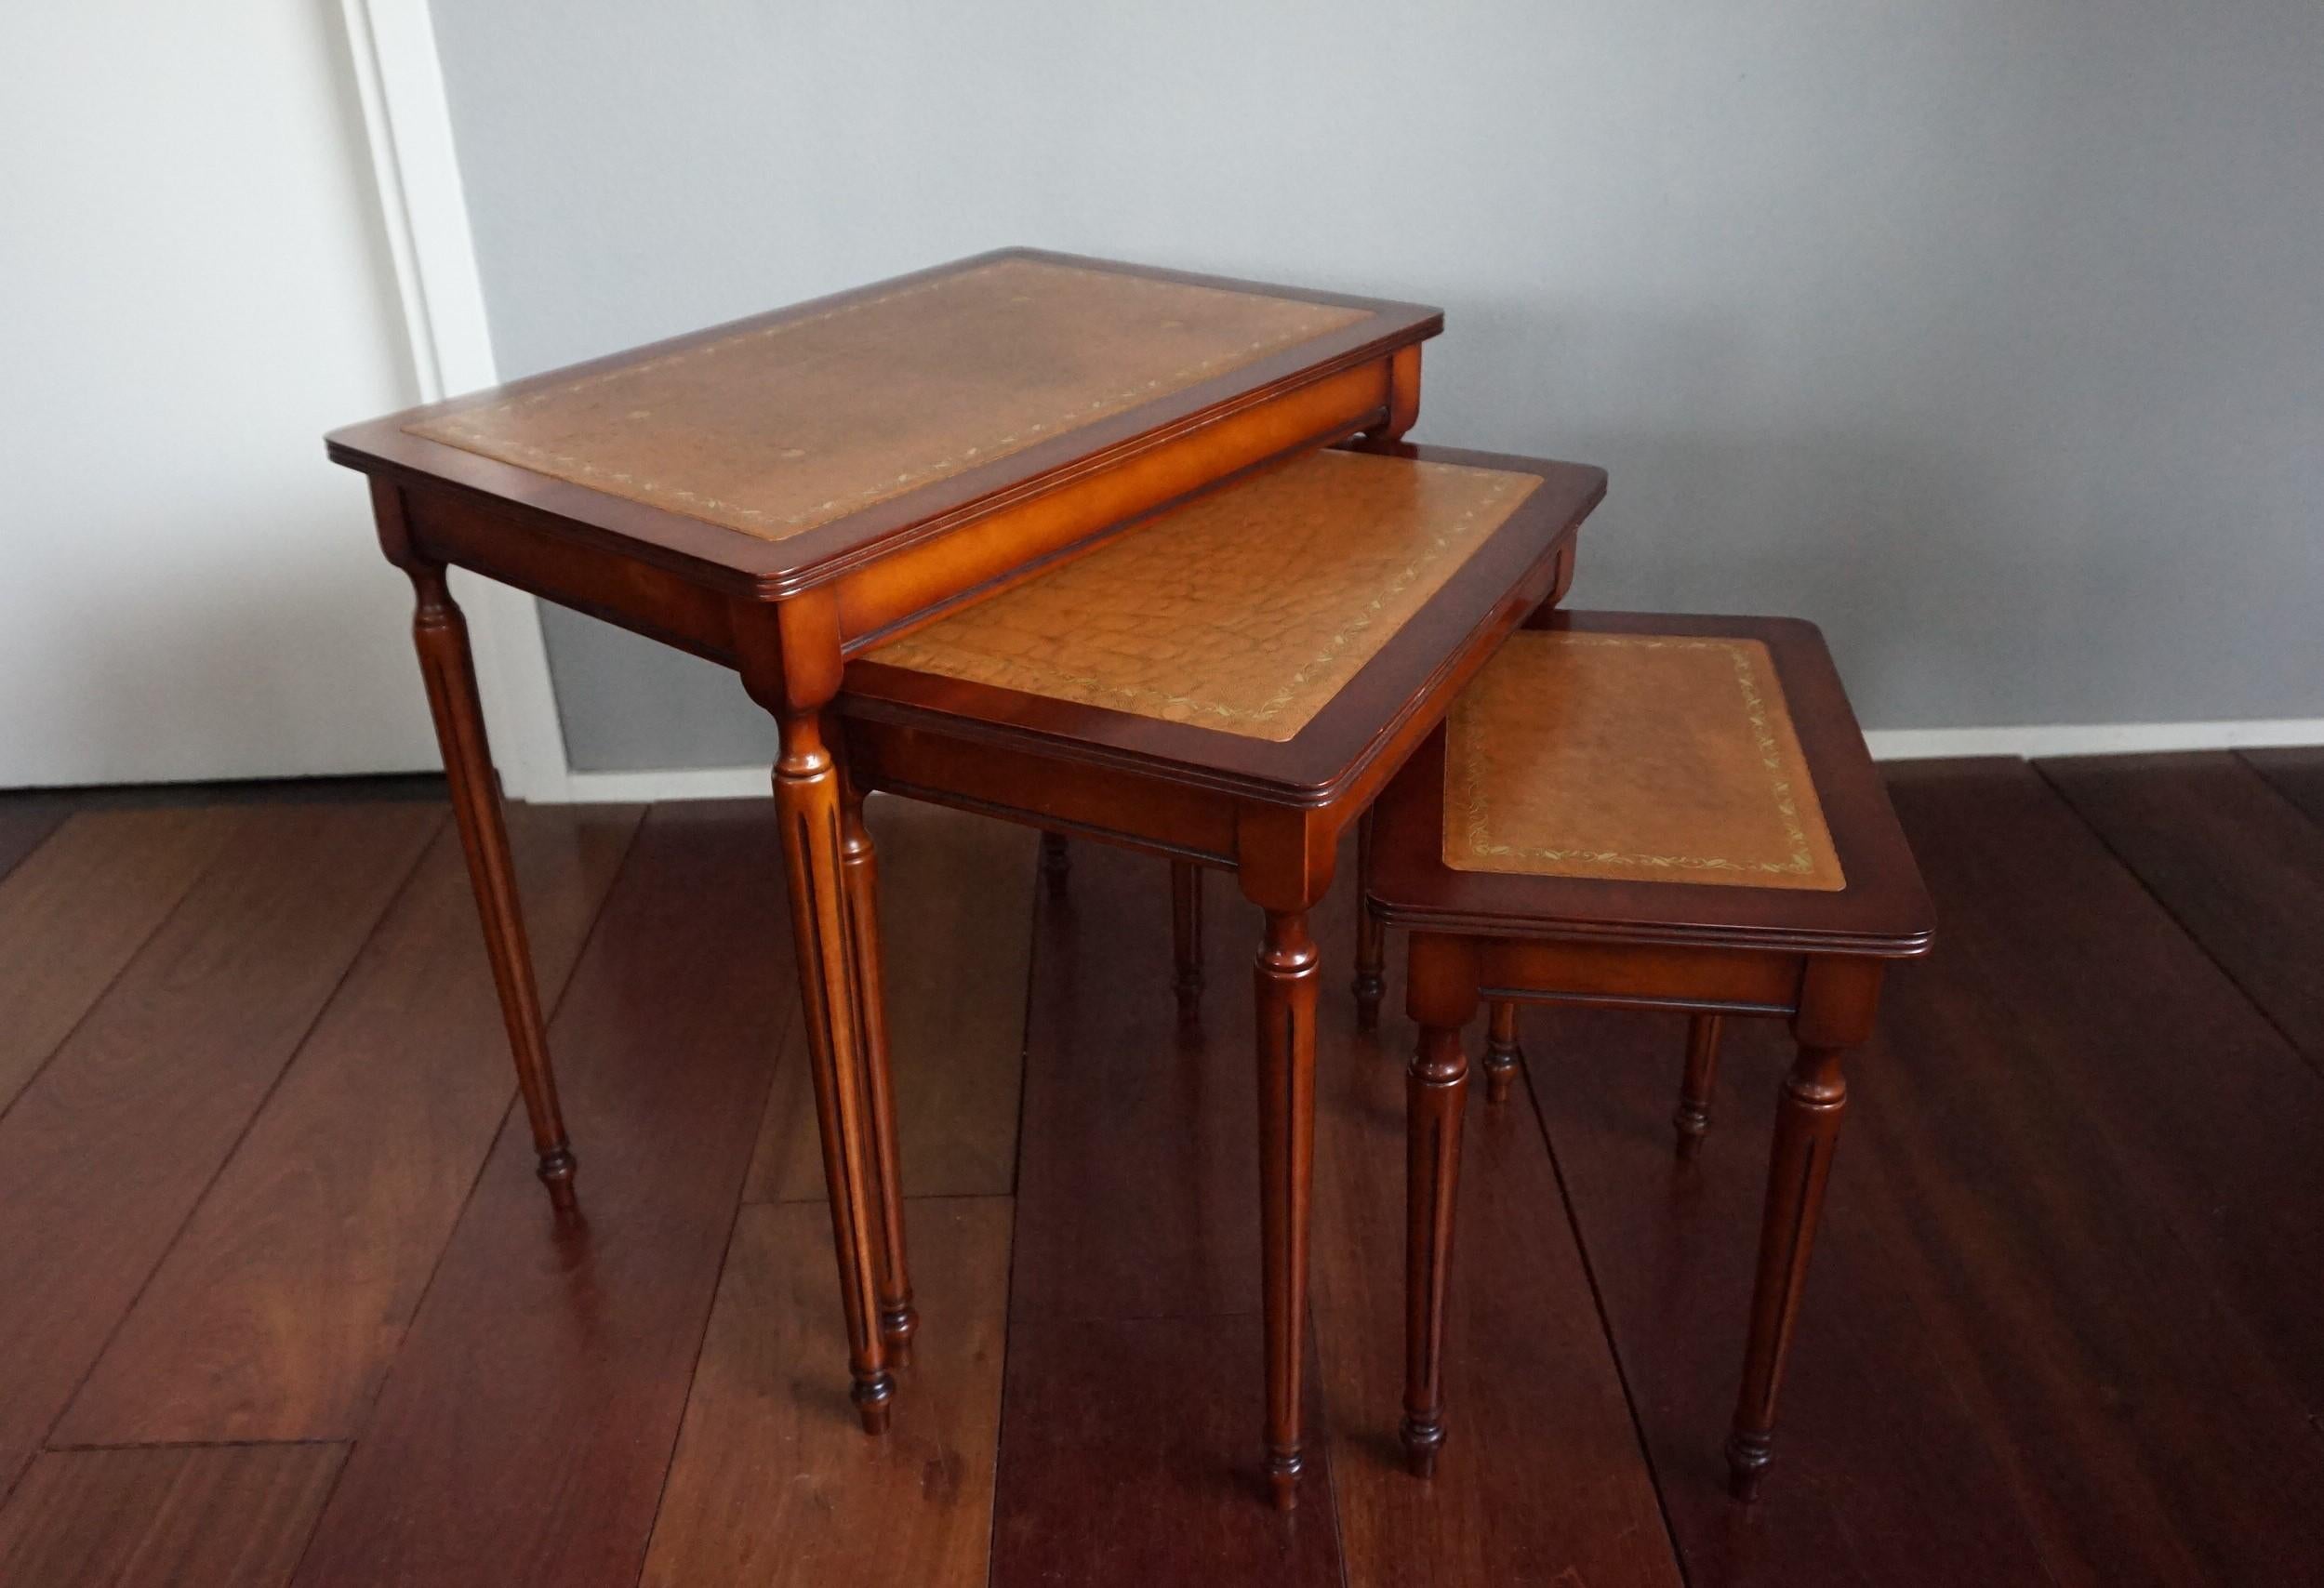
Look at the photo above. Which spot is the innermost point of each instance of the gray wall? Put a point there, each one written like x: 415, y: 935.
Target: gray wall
x: 1987, y: 333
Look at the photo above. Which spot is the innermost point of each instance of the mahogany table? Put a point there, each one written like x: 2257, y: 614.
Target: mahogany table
x: 1230, y: 684
x: 782, y: 493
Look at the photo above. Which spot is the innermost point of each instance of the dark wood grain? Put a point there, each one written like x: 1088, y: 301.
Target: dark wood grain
x: 74, y: 912
x: 282, y: 1303
x: 217, y: 1516
x: 526, y: 1430
x: 2083, y: 1244
x: 774, y: 1482
x: 958, y: 934
x: 2236, y: 863
x: 1545, y: 1480
x: 2296, y: 773
x: 111, y: 1145
x: 1137, y: 1184
x: 26, y: 820
x: 1127, y: 1456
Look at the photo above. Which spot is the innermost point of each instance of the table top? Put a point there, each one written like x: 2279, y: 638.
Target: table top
x: 1638, y: 757
x: 787, y: 443
x: 1640, y: 769
x: 1269, y: 634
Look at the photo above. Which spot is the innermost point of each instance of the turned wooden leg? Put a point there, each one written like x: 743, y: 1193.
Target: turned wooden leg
x: 1371, y: 936
x: 1056, y: 863
x: 1693, y: 1117
x: 1807, y: 1129
x: 808, y: 797
x: 859, y: 873
x: 440, y: 635
x: 1502, y: 1054
x: 1436, y: 1088
x: 1286, y: 985
x: 1186, y: 934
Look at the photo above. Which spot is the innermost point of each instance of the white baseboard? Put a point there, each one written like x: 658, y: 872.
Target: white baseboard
x: 1892, y: 744
x: 2092, y: 739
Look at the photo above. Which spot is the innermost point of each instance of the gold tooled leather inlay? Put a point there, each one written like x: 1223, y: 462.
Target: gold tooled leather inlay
x: 1633, y: 757
x: 775, y: 430
x: 1247, y: 610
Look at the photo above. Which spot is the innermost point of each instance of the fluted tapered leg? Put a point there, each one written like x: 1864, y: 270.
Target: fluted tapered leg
x: 440, y: 634
x: 1502, y: 1054
x: 1371, y: 981
x: 1286, y: 988
x: 1436, y: 1088
x: 859, y: 872
x: 1807, y: 1129
x: 808, y: 798
x: 1693, y: 1117
x: 1186, y: 935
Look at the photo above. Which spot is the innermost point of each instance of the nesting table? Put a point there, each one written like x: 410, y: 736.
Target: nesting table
x: 789, y: 492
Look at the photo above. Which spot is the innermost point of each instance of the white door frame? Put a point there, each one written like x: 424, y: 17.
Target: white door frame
x: 410, y: 123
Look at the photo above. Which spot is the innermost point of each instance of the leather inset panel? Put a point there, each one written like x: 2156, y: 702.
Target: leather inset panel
x: 1636, y: 758
x: 775, y: 430
x: 1247, y: 610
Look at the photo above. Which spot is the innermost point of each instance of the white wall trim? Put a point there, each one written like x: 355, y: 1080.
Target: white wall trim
x: 410, y: 123
x: 1894, y: 743
x: 2094, y: 739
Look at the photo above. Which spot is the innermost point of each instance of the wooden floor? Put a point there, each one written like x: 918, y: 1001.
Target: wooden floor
x: 280, y: 1301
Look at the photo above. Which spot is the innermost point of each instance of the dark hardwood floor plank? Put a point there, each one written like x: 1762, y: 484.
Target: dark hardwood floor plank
x: 775, y: 1483
x: 1137, y: 1179
x: 525, y: 1429
x: 1130, y: 1454
x: 277, y: 1311
x: 1130, y: 1417
x: 956, y: 928
x: 1542, y: 1478
x: 2237, y: 865
x: 109, y: 1146
x: 77, y: 907
x: 26, y: 820
x: 2029, y: 1352
x: 2296, y: 773
x: 213, y: 1517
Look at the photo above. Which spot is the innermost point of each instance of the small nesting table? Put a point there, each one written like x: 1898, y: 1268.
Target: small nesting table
x: 1229, y: 685
x: 784, y: 491
x: 1659, y: 813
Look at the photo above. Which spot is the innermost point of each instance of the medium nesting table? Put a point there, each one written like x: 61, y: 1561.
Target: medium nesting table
x: 784, y: 491
x: 1230, y: 684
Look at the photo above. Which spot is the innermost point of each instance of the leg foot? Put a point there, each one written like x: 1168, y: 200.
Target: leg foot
x: 1422, y: 1441
x: 875, y: 1402
x: 1282, y: 1479
x: 1693, y: 1120
x: 1747, y: 1457
x: 1502, y: 1054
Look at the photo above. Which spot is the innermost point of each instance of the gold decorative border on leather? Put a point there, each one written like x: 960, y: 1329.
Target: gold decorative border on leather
x: 459, y: 429
x: 1802, y: 862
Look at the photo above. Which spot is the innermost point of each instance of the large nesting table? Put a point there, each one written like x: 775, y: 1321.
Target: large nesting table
x: 787, y: 492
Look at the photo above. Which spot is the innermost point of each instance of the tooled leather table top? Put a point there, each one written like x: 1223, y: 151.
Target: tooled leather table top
x: 1637, y: 758
x: 1245, y: 611
x: 798, y: 422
